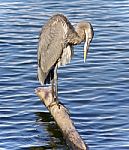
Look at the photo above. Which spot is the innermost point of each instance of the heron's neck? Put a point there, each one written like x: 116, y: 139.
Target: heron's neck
x: 80, y: 33
x: 74, y: 38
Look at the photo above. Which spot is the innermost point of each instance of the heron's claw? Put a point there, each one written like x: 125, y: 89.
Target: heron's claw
x: 67, y: 110
x: 66, y: 44
x: 57, y: 101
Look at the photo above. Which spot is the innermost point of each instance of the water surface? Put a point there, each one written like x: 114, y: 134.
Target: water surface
x: 96, y: 92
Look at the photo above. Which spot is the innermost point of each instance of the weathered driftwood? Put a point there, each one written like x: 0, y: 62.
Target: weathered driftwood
x: 60, y: 115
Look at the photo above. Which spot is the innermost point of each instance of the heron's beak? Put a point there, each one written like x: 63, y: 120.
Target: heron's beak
x: 86, y: 47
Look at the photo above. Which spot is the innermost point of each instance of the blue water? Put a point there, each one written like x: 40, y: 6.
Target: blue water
x: 96, y: 92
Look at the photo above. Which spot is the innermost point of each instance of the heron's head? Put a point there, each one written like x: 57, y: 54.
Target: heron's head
x: 86, y: 33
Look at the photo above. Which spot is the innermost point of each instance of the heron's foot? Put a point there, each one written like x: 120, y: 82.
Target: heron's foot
x: 66, y: 109
x: 66, y: 43
x: 53, y: 103
x: 57, y: 101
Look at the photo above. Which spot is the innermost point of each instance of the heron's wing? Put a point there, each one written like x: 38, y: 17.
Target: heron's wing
x: 51, y: 44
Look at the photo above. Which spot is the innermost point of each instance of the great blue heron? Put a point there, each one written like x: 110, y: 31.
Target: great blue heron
x: 56, y: 41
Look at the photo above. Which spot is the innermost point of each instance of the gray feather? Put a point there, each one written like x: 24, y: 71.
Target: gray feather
x: 66, y: 56
x: 51, y: 44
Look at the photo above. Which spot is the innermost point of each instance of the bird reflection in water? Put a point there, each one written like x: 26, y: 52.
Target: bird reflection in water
x: 46, y: 122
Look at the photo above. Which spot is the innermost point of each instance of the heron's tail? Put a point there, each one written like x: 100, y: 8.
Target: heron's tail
x: 41, y: 76
x: 44, y: 77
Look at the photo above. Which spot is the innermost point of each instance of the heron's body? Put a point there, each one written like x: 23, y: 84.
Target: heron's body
x: 56, y: 40
x: 53, y: 46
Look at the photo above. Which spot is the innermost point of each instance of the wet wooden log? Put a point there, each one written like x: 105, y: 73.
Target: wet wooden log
x: 61, y: 116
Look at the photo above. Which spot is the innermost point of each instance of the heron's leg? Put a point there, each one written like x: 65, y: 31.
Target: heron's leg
x: 53, y: 90
x: 56, y: 85
x: 56, y: 82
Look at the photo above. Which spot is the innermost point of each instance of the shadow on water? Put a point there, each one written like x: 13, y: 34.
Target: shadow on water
x: 56, y: 137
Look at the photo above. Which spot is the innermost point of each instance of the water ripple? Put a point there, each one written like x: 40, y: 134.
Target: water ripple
x: 96, y: 92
